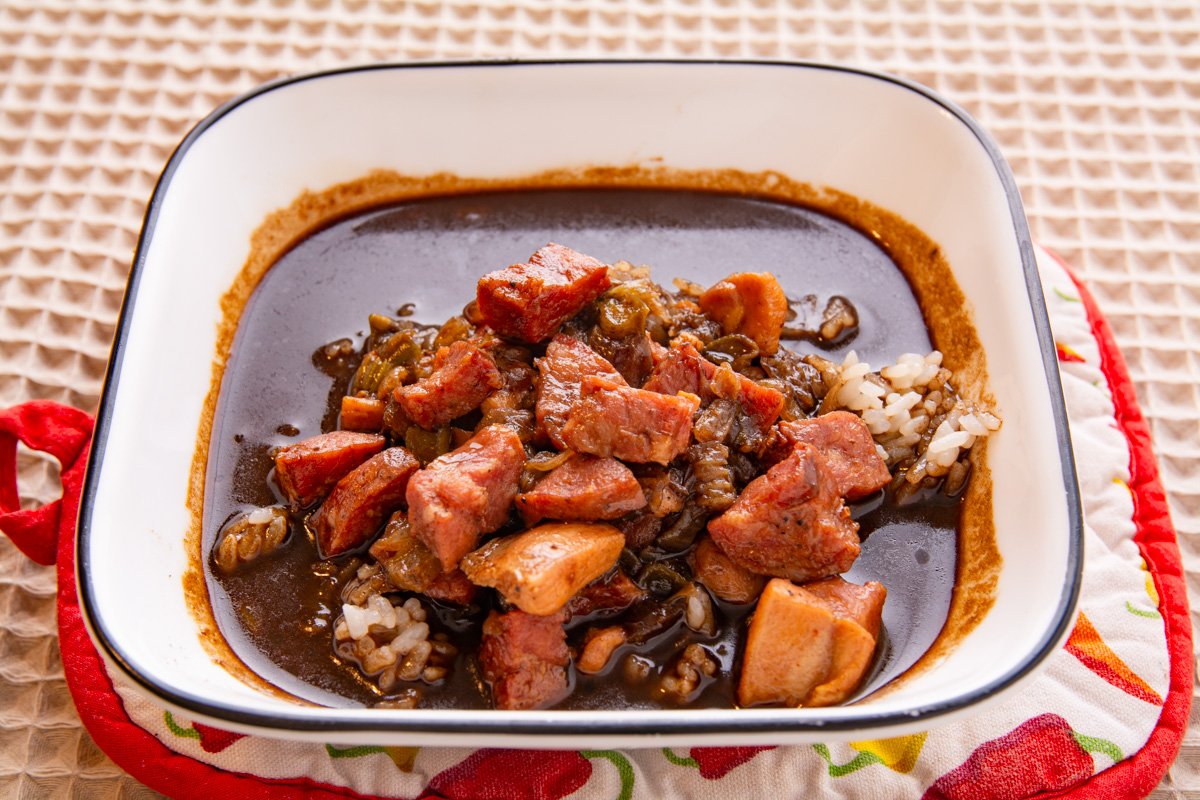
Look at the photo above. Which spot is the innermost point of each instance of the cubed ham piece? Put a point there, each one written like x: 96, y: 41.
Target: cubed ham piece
x: 540, y: 569
x: 850, y: 452
x: 612, y: 593
x: 584, y: 488
x: 466, y: 493
x: 566, y: 363
x: 790, y: 522
x: 530, y: 301
x: 750, y: 303
x: 524, y: 659
x: 757, y: 407
x: 803, y: 650
x: 307, y: 470
x: 629, y: 424
x: 682, y: 369
x: 361, y: 501
x: 723, y: 576
x: 462, y: 378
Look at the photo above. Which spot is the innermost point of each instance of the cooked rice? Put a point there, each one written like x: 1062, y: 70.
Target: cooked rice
x: 390, y: 642
x: 921, y: 426
x: 251, y: 535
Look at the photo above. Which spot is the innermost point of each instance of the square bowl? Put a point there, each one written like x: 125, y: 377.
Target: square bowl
x: 884, y: 140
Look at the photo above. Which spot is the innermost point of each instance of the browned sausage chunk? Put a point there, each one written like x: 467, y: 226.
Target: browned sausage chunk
x: 540, y: 569
x: 361, y: 500
x: 613, y: 592
x: 584, y: 488
x: 723, y: 576
x: 844, y: 440
x: 529, y: 301
x: 790, y: 522
x: 629, y: 424
x: 524, y: 659
x: 307, y: 470
x: 462, y: 378
x: 749, y: 303
x: 466, y: 493
x: 804, y: 649
x: 566, y: 363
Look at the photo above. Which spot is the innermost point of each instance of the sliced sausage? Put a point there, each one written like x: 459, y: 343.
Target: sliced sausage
x: 466, y: 493
x: 584, y: 488
x: 629, y: 424
x: 850, y: 452
x: 790, y: 522
x: 566, y: 363
x: 307, y: 470
x: 462, y: 378
x: 540, y: 569
x: 361, y: 501
x: 523, y: 659
x: 530, y: 301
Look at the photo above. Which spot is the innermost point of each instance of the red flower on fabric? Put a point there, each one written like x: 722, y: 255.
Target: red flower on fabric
x: 512, y: 775
x: 1040, y: 755
x: 214, y: 740
x: 716, y: 762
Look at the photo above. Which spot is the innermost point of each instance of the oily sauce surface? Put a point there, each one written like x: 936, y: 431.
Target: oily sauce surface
x: 276, y: 613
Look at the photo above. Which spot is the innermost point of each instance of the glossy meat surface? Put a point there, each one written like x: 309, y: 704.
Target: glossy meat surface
x: 530, y: 301
x: 466, y: 493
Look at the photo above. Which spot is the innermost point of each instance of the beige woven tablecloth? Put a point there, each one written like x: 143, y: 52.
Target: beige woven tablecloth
x: 1095, y: 104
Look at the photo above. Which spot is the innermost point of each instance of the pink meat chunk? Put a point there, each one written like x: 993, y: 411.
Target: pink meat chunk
x: 566, y: 363
x: 524, y: 659
x: 584, y: 488
x: 529, y: 301
x: 361, y: 501
x: 682, y: 369
x: 466, y: 493
x: 463, y: 377
x: 634, y: 425
x: 845, y: 441
x: 307, y: 470
x: 790, y: 523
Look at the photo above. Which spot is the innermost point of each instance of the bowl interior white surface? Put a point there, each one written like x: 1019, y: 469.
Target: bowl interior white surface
x: 876, y: 138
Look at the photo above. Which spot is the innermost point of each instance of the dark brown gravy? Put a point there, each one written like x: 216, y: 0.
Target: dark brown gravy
x: 430, y: 252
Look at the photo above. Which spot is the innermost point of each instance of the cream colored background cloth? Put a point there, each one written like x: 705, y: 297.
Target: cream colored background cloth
x: 1096, y: 105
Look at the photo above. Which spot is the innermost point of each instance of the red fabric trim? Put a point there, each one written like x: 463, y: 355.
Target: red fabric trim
x: 145, y: 757
x: 1138, y: 774
x: 66, y: 433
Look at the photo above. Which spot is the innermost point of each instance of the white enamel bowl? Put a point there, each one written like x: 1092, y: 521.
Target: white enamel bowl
x: 882, y: 139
